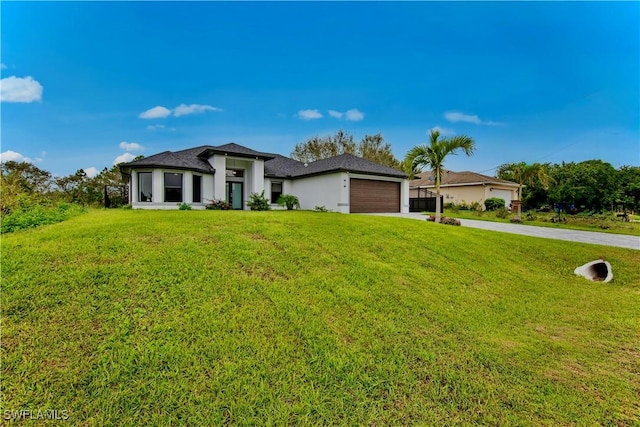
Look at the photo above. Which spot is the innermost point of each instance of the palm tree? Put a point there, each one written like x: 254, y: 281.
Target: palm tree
x: 433, y: 156
x: 524, y: 174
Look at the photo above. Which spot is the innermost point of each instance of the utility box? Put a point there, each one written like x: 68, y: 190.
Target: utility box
x: 516, y: 207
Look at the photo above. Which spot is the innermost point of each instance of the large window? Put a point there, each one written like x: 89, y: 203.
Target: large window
x: 276, y: 191
x: 144, y: 187
x: 197, y: 189
x: 172, y: 187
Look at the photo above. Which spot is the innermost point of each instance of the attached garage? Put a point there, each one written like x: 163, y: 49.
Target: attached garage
x: 371, y: 196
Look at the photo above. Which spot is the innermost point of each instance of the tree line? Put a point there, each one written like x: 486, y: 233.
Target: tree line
x: 591, y: 185
x: 25, y: 185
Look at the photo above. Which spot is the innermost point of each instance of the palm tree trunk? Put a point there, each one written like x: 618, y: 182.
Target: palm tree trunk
x: 438, y: 206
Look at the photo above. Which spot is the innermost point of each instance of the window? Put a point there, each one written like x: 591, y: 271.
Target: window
x: 276, y: 191
x: 144, y: 186
x: 197, y: 189
x: 172, y: 187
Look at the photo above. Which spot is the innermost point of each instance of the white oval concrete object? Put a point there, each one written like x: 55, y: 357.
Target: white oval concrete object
x: 596, y: 271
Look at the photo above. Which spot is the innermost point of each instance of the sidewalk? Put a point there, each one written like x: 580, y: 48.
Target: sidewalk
x: 594, y: 237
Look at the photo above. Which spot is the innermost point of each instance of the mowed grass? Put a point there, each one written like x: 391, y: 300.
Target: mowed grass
x: 302, y: 318
x: 599, y: 223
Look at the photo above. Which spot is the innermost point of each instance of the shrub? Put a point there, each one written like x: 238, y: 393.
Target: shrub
x: 127, y: 206
x: 258, y: 202
x: 494, y: 203
x: 444, y: 220
x: 502, y: 212
x: 530, y: 217
x: 218, y: 205
x: 450, y: 221
x: 184, y: 206
x: 449, y: 205
x: 516, y: 220
x: 475, y: 206
x: 463, y: 206
x: 320, y: 209
x: 37, y: 215
x: 288, y: 200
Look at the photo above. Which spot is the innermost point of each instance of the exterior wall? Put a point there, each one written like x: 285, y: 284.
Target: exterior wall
x: 157, y: 189
x: 218, y: 163
x: 287, y: 188
x: 404, y: 188
x: 253, y: 180
x: 471, y: 193
x: 330, y: 191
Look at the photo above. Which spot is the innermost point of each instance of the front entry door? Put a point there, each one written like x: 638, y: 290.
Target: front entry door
x: 234, y: 195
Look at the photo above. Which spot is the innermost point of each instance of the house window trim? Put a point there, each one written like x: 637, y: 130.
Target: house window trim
x: 165, y: 187
x: 275, y: 199
x: 193, y: 188
x: 140, y: 198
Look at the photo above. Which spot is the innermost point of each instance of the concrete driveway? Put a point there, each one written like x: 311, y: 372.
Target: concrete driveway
x: 607, y: 239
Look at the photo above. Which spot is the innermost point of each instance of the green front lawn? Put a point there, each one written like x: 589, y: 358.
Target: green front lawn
x: 601, y: 223
x: 298, y: 318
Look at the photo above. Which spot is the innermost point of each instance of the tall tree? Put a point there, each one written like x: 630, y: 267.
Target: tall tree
x: 22, y: 184
x: 371, y: 147
x: 628, y: 195
x: 317, y: 148
x: 534, y: 175
x: 588, y: 185
x: 433, y: 156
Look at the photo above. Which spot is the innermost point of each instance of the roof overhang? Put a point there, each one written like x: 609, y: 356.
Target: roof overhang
x: 207, y: 153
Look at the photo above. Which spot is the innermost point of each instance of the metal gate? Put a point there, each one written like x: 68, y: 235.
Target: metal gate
x: 425, y: 202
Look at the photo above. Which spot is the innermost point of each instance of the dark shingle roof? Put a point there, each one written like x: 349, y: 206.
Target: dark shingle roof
x: 184, y: 159
x: 281, y: 166
x: 235, y: 150
x: 347, y: 163
x: 458, y: 178
x: 275, y: 165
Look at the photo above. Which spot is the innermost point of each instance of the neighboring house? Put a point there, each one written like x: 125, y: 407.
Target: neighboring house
x: 232, y: 172
x: 468, y: 187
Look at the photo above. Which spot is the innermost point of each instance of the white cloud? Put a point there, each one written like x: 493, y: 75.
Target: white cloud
x: 455, y: 116
x: 158, y: 112
x: 309, y: 114
x: 130, y: 146
x: 155, y: 127
x: 123, y: 158
x: 20, y: 89
x: 354, y: 115
x: 443, y: 131
x: 184, y: 109
x: 13, y: 156
x: 335, y: 114
x: 91, y: 171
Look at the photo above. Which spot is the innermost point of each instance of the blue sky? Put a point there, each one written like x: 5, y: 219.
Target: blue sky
x: 87, y: 84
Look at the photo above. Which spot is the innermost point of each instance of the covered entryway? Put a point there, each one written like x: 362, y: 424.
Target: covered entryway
x: 367, y: 195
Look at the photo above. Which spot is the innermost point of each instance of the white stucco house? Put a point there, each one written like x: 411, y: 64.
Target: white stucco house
x: 231, y: 172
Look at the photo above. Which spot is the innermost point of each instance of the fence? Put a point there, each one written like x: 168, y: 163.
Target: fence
x: 426, y: 201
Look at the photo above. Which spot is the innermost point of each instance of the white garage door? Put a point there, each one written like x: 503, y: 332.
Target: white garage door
x: 502, y: 194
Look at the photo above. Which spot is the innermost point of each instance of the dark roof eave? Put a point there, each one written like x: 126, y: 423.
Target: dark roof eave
x: 129, y: 167
x: 328, y: 171
x: 207, y: 153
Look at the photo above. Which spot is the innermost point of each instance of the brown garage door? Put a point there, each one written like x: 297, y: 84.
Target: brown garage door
x: 367, y: 195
